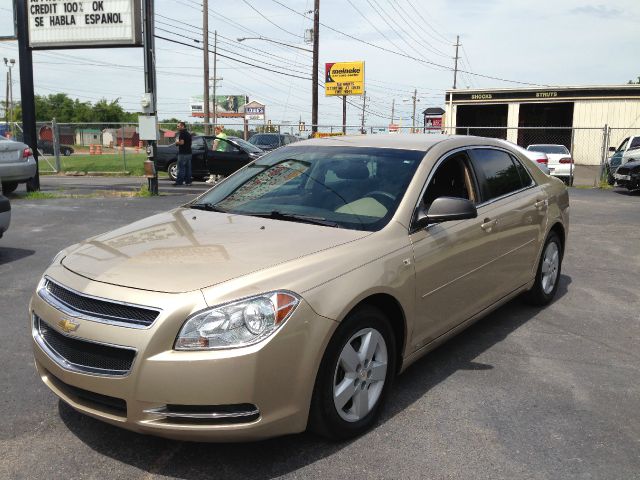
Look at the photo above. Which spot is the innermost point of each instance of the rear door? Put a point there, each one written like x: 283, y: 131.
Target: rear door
x: 513, y: 212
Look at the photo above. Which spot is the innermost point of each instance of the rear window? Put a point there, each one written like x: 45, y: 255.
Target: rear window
x: 548, y: 148
x: 635, y: 143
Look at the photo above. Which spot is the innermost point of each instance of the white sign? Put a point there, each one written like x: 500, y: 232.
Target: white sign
x: 90, y: 23
x: 254, y: 111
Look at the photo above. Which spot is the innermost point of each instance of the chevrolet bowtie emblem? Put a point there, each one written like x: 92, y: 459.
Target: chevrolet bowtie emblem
x: 68, y: 326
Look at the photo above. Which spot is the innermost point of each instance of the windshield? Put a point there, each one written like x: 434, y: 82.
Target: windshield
x: 246, y: 145
x: 548, y: 148
x: 267, y: 140
x: 346, y: 187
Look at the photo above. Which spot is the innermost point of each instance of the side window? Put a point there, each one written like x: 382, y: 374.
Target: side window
x: 197, y: 143
x: 525, y: 178
x: 453, y: 178
x: 229, y: 147
x: 623, y: 145
x: 635, y: 143
x: 497, y: 173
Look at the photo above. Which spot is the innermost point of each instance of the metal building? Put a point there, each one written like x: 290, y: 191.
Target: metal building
x: 586, y: 119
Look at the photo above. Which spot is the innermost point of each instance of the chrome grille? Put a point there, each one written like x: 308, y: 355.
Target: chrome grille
x: 98, y: 309
x: 82, y: 355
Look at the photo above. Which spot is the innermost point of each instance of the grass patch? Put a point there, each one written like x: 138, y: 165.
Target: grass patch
x: 42, y: 195
x: 108, y: 162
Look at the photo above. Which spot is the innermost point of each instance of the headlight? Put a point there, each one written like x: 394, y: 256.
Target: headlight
x: 237, y: 324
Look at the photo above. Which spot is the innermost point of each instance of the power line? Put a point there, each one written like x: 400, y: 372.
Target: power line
x: 408, y: 56
x: 231, y: 58
x: 268, y: 20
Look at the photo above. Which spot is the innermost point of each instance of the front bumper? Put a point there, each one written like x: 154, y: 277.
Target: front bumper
x: 18, y: 171
x: 276, y: 376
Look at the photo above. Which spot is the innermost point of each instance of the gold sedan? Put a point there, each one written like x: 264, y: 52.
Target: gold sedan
x: 291, y: 294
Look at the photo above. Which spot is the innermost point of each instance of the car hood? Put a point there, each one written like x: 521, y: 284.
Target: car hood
x: 185, y: 249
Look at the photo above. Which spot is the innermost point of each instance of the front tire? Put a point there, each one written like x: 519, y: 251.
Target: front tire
x: 356, y: 373
x: 172, y: 170
x: 548, y: 274
x: 66, y: 152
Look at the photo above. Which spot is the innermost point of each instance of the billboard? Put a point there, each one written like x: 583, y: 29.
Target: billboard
x: 227, y: 106
x: 344, y: 78
x: 83, y: 23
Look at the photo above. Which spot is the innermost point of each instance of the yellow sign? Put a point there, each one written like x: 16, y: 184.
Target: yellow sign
x: 326, y: 135
x: 344, y: 78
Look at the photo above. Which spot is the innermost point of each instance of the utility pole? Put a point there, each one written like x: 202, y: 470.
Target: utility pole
x: 364, y: 103
x: 205, y: 51
x: 314, y: 76
x: 215, y: 78
x: 393, y: 109
x: 413, y: 115
x: 455, y: 66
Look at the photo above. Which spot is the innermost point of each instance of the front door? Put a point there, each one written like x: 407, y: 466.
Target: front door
x: 450, y: 258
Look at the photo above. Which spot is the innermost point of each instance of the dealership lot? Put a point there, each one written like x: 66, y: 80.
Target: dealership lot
x: 525, y: 393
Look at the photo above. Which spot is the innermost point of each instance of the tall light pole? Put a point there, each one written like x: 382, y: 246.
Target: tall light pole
x: 9, y: 106
x: 205, y: 51
x: 314, y: 77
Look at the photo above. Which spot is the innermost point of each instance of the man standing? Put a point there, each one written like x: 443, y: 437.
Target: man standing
x: 184, y: 156
x: 218, y: 146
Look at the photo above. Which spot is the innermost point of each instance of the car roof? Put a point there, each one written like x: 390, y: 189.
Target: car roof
x: 419, y: 142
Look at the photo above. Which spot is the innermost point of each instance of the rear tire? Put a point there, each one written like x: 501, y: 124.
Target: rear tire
x: 548, y: 273
x: 356, y: 373
x: 172, y: 170
x: 9, y: 187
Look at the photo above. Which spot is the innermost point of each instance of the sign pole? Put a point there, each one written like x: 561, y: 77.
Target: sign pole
x: 26, y: 89
x: 150, y: 85
x: 344, y: 114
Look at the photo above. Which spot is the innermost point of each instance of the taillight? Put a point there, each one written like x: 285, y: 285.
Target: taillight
x: 26, y: 153
x: 566, y: 160
x: 543, y: 160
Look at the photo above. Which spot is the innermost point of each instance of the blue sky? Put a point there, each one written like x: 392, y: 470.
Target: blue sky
x: 545, y: 42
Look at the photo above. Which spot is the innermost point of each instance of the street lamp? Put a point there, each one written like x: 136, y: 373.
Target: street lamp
x: 274, y: 41
x: 9, y: 99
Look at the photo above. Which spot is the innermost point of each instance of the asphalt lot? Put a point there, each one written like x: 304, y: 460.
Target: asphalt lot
x: 524, y: 393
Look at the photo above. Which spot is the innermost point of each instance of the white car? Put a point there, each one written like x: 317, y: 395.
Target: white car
x: 5, y: 213
x: 540, y: 158
x: 560, y: 160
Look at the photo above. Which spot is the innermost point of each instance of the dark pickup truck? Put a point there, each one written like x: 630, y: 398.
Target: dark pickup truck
x: 205, y: 161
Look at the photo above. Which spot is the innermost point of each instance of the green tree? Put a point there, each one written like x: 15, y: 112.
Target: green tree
x: 631, y: 82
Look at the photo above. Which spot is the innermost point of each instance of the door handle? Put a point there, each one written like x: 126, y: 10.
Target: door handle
x: 488, y: 224
x: 541, y: 204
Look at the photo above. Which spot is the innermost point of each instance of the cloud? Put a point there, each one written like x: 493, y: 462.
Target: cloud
x: 600, y: 11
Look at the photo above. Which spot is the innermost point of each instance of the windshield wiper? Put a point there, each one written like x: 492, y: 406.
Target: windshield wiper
x: 209, y: 207
x: 294, y: 217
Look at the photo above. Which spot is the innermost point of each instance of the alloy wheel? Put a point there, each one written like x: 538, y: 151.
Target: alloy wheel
x: 550, y: 266
x: 360, y: 374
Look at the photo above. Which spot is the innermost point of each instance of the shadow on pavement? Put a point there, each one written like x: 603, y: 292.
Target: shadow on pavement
x: 9, y: 254
x: 276, y: 457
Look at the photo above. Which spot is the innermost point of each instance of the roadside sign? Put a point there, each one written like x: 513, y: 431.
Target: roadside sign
x: 344, y: 78
x: 83, y: 23
x: 254, y: 111
x: 394, y: 127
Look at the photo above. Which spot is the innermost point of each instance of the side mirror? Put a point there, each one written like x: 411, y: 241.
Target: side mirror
x: 612, y: 149
x: 445, y: 209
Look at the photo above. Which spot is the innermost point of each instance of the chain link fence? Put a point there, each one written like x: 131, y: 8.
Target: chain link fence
x: 116, y: 148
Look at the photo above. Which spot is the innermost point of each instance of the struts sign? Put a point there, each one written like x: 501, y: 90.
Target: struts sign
x: 344, y: 78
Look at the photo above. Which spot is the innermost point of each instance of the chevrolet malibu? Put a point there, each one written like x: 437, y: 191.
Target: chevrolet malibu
x: 289, y: 296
